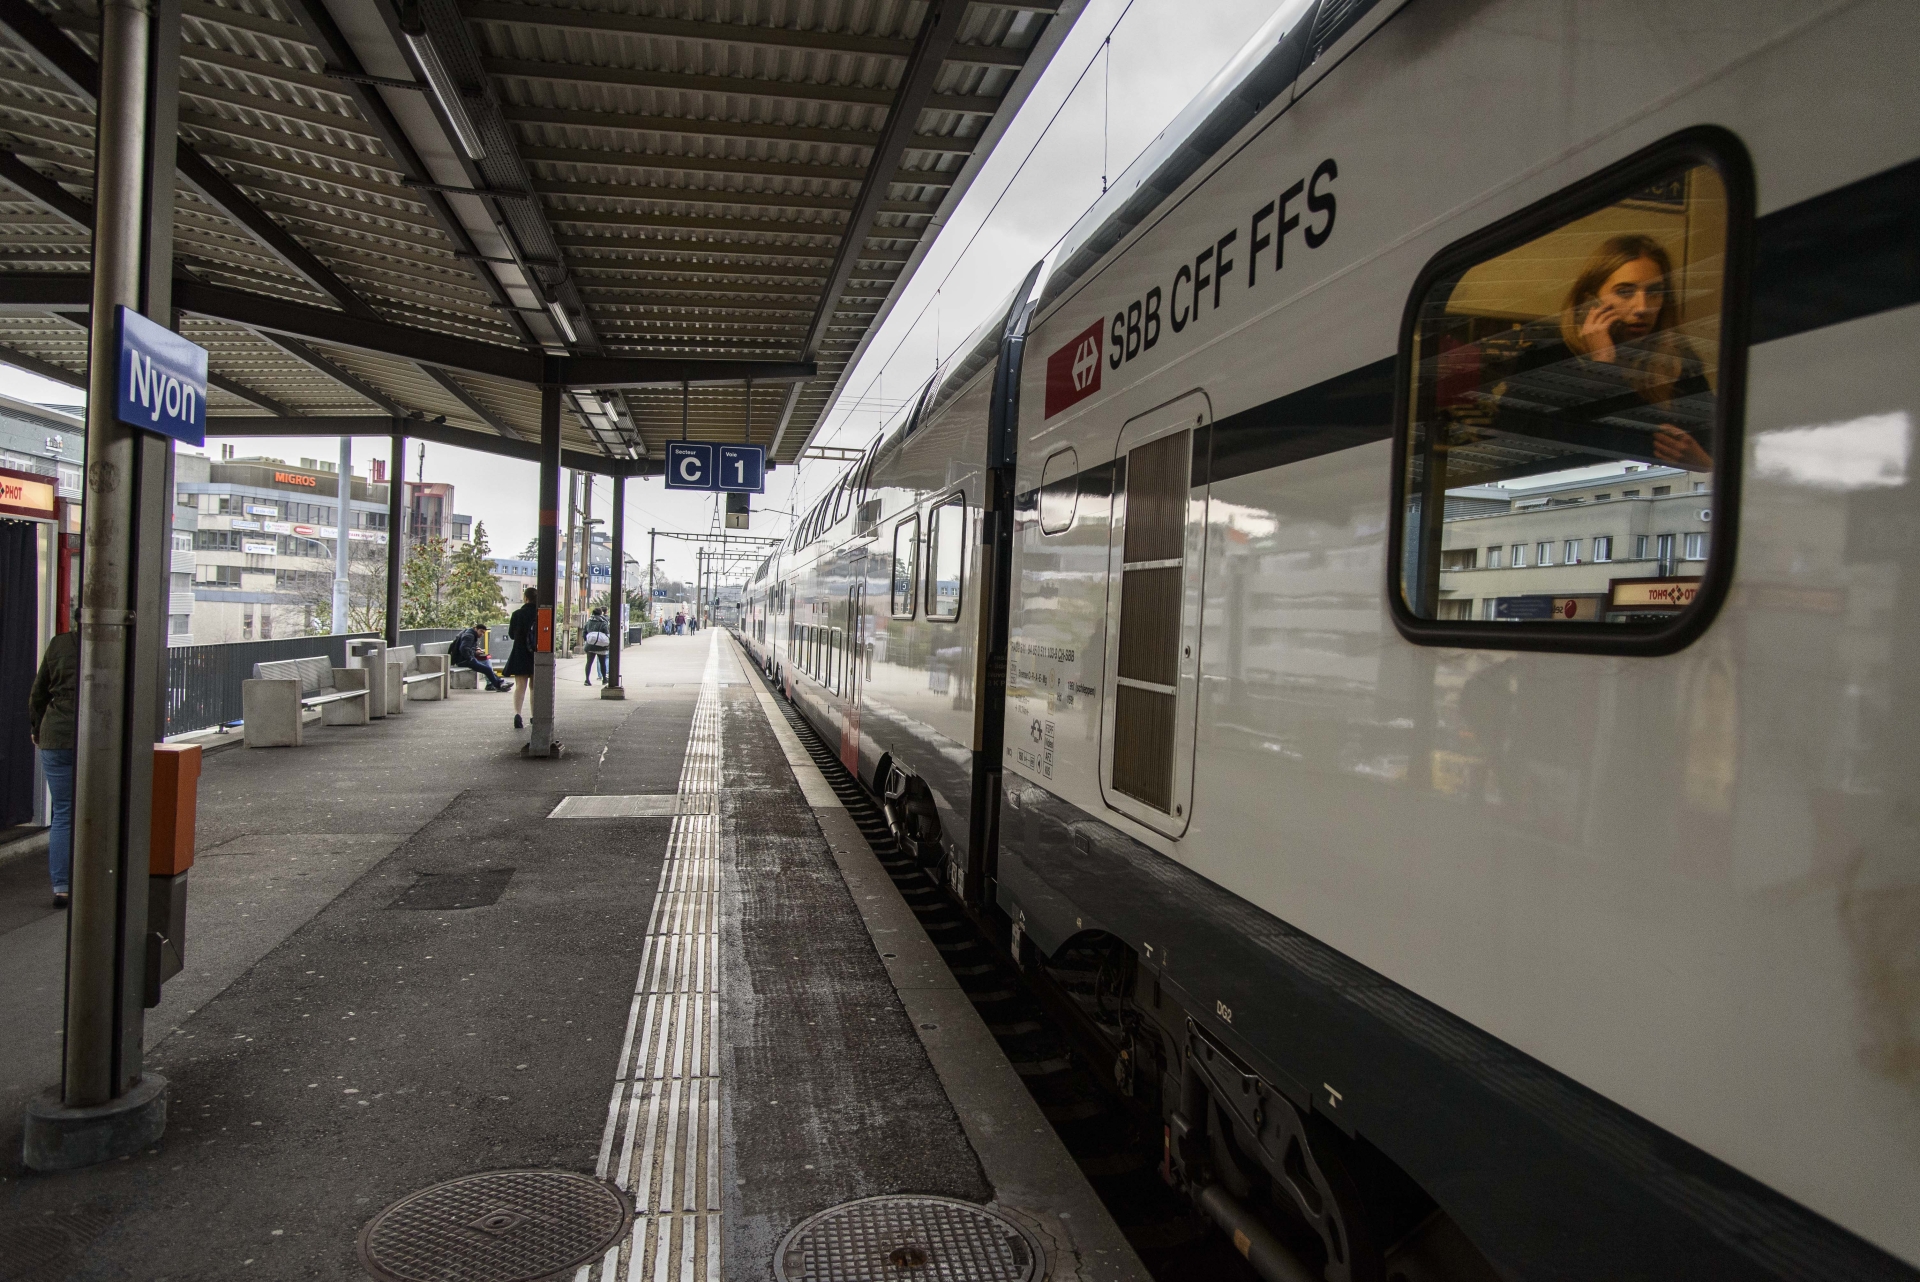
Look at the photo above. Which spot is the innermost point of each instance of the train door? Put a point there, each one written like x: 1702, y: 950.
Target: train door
x: 852, y: 664
x: 1155, y: 553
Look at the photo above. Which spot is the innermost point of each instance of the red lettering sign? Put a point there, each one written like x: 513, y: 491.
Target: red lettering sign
x: 294, y: 478
x: 1073, y: 372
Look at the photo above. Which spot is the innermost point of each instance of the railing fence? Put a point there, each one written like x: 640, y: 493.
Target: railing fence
x: 203, y: 681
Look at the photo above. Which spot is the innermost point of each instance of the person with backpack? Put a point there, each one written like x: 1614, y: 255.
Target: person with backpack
x: 523, y: 629
x: 598, y: 640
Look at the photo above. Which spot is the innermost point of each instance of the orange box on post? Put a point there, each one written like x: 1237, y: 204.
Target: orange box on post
x: 176, y: 789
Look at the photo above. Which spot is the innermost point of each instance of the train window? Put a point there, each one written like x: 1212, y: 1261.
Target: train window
x: 841, y: 492
x: 946, y: 557
x: 1059, y: 491
x: 906, y: 559
x: 1576, y: 346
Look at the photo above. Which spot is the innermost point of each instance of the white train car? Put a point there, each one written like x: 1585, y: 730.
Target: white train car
x: 1453, y: 617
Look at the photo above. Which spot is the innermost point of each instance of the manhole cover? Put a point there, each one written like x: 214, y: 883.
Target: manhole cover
x: 500, y: 1226
x: 908, y: 1238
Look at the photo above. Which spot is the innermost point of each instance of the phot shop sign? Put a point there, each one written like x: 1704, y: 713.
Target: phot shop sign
x: 27, y: 496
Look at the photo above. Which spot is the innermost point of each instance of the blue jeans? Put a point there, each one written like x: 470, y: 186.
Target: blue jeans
x: 57, y: 765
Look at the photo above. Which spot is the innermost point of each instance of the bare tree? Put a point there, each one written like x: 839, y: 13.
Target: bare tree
x: 366, y: 591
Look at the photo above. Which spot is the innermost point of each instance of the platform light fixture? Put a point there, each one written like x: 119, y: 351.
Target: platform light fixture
x: 447, y: 93
x: 561, y: 319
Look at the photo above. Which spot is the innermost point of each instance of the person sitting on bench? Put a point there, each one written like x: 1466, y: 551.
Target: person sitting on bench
x: 464, y: 652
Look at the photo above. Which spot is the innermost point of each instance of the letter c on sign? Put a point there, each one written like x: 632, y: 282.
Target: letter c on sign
x: 689, y: 467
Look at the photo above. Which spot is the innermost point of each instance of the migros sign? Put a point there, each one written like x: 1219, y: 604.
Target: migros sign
x: 296, y: 478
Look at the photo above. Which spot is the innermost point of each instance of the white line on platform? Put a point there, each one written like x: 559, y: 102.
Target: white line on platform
x: 665, y: 1109
x: 653, y: 805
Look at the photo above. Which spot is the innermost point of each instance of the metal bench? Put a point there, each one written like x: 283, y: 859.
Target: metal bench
x: 275, y: 703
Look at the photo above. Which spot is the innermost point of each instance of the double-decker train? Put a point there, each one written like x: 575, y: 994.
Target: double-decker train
x: 1418, y: 586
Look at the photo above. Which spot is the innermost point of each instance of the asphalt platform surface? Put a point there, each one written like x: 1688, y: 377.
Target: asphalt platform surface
x: 401, y: 971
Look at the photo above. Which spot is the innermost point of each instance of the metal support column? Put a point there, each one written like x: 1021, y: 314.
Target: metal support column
x: 617, y: 592
x: 106, y: 1105
x: 650, y: 569
x: 540, y: 742
x: 396, y: 532
x: 563, y: 629
x: 341, y: 566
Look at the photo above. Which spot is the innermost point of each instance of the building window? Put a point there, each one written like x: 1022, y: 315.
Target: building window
x: 1696, y: 547
x: 1601, y: 498
x: 1519, y: 556
x: 1629, y: 494
x: 1543, y: 554
x: 1661, y: 491
x: 1459, y: 559
x: 1603, y: 548
x: 1493, y: 558
x: 1663, y: 552
x: 1639, y: 547
x: 1699, y: 487
x: 1572, y: 552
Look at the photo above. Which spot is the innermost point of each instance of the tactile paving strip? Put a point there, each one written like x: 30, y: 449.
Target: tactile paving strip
x: 662, y: 1138
x: 497, y: 1226
x: 904, y: 1236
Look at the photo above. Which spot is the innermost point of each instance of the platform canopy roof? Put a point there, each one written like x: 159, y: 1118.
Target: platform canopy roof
x: 417, y: 211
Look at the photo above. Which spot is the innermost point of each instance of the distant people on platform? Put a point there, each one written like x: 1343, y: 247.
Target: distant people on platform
x: 597, y: 638
x: 464, y: 652
x: 52, y: 707
x: 523, y: 629
x: 693, y: 622
x: 679, y: 622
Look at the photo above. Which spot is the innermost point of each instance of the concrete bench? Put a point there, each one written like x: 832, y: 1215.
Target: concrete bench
x: 422, y: 676
x: 457, y: 678
x: 275, y: 703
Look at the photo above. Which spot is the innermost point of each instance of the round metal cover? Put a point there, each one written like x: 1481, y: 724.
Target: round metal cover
x: 498, y: 1226
x: 908, y: 1237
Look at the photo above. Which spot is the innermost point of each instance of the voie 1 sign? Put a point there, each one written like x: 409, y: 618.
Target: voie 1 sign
x: 163, y: 380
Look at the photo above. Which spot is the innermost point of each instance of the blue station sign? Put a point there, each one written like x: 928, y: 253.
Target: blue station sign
x: 690, y: 466
x: 163, y: 380
x: 702, y: 465
x: 743, y: 469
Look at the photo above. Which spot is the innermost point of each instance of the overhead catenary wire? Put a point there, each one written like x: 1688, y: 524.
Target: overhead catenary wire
x: 1105, y: 45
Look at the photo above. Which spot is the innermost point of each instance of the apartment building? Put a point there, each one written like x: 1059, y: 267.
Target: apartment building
x: 1620, y: 544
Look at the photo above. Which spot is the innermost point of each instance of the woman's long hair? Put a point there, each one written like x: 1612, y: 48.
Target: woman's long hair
x: 1664, y: 356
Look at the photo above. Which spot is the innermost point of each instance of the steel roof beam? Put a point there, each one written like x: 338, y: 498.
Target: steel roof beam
x: 346, y: 378
x: 743, y: 166
x: 245, y: 393
x: 325, y: 35
x: 424, y: 430
x: 727, y: 33
x: 731, y: 249
x: 474, y: 407
x: 738, y: 86
x: 32, y: 182
x: 71, y: 64
x: 760, y: 130
x: 44, y: 368
x: 938, y: 31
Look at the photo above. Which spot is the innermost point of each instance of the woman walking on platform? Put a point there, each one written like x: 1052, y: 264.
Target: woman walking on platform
x: 523, y: 629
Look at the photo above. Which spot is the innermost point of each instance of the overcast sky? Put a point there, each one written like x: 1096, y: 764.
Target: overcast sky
x: 1162, y: 53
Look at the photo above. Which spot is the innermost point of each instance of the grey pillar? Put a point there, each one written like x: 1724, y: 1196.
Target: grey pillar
x: 540, y: 742
x: 617, y: 591
x: 341, y: 567
x: 396, y: 531
x: 563, y: 629
x: 106, y: 1107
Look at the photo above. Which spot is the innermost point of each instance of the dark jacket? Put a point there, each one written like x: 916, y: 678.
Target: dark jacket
x: 460, y: 651
x: 54, y: 703
x: 523, y: 628
x: 598, y: 623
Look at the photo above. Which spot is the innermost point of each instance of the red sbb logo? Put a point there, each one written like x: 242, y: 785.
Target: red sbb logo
x: 1073, y: 372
